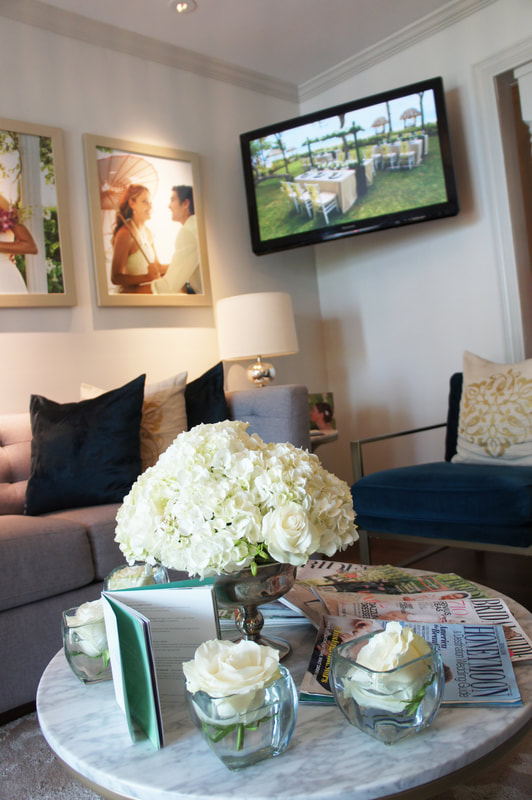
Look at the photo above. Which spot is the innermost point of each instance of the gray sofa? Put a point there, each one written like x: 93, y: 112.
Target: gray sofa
x: 58, y: 560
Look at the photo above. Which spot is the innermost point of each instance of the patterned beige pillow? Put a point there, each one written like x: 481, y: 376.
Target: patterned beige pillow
x: 163, y: 415
x: 495, y: 422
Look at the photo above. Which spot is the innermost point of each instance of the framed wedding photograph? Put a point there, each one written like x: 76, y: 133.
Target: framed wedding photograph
x: 36, y: 266
x: 147, y: 222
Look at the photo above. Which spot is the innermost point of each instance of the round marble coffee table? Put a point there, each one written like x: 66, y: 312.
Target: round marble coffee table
x: 327, y: 759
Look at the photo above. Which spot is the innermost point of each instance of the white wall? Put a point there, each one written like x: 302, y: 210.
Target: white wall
x: 82, y: 88
x: 400, y: 306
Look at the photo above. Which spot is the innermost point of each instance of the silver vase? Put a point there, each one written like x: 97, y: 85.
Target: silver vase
x: 246, y: 591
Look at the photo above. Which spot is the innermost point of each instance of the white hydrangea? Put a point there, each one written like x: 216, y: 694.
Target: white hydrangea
x: 218, y: 499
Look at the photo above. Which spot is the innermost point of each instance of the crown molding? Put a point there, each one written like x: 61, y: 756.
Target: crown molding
x: 76, y: 26
x: 411, y: 34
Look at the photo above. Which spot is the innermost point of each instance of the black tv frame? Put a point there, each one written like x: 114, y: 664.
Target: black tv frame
x: 446, y: 207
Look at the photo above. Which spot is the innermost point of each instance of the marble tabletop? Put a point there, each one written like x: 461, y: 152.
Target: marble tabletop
x: 327, y: 758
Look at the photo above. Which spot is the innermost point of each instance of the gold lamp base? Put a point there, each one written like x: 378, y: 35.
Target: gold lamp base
x: 260, y: 372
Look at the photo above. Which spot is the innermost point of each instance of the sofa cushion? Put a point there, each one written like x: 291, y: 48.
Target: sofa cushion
x: 495, y: 413
x: 15, y: 447
x: 491, y: 503
x: 163, y: 415
x: 41, y: 557
x: 86, y: 453
x: 205, y: 398
x: 99, y: 523
x: 28, y: 651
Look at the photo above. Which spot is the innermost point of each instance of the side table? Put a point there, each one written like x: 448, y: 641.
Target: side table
x: 321, y: 437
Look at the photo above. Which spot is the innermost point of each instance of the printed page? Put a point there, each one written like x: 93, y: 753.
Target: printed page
x: 177, y: 619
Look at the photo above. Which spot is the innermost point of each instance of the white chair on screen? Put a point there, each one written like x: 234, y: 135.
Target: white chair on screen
x: 322, y: 202
x: 303, y: 198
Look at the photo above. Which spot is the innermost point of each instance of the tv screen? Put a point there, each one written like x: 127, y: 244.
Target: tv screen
x: 375, y: 163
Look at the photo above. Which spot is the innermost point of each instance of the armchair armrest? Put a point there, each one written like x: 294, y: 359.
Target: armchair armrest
x: 356, y: 446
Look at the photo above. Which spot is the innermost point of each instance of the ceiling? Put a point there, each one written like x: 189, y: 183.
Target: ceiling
x: 296, y: 43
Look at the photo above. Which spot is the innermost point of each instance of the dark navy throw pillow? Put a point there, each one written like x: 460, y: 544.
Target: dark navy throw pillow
x: 86, y: 453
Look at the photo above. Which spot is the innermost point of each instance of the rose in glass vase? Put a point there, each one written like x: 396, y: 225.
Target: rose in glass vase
x: 219, y: 500
x: 388, y: 684
x: 85, y: 642
x: 242, y: 700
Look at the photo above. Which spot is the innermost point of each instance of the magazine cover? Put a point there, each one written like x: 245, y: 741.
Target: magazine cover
x: 450, y: 607
x: 478, y: 669
x: 317, y: 577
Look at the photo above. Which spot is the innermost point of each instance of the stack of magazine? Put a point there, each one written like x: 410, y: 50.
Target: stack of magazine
x: 477, y: 635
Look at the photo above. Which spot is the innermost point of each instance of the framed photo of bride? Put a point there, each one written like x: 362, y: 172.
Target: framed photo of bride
x: 148, y: 229
x: 35, y: 248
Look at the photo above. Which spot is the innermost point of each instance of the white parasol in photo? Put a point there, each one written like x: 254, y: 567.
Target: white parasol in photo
x: 118, y: 171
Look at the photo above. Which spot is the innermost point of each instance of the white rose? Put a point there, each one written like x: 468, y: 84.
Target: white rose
x: 385, y: 686
x: 89, y: 627
x: 126, y: 577
x: 289, y: 534
x: 234, y: 674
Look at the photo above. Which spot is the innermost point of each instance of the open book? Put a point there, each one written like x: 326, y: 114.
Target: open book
x: 151, y: 631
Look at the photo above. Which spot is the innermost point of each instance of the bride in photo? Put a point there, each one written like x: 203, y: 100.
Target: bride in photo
x: 134, y: 265
x: 15, y: 239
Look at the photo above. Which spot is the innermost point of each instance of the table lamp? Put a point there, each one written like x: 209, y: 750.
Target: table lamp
x: 256, y: 325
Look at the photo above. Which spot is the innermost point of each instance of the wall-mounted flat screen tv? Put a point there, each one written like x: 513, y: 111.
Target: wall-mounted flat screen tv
x: 379, y: 162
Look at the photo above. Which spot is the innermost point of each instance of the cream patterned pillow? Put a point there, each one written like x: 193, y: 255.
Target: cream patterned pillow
x: 163, y: 415
x: 495, y: 413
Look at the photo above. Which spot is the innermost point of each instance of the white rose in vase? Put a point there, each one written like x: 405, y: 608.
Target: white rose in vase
x: 235, y: 676
x: 397, y: 669
x: 88, y: 622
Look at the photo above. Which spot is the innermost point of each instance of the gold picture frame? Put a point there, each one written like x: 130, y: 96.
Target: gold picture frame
x: 36, y: 266
x: 112, y: 166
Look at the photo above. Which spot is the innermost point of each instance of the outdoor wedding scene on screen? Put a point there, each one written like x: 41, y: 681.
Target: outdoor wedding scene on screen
x: 373, y: 161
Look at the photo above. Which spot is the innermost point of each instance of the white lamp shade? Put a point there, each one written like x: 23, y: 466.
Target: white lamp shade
x: 259, y: 324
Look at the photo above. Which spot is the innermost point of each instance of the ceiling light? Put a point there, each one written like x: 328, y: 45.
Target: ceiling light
x: 183, y: 6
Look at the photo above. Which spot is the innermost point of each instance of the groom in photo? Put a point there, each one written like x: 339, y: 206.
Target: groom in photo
x: 183, y: 273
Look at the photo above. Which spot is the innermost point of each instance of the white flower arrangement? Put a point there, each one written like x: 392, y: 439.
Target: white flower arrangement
x: 219, y: 499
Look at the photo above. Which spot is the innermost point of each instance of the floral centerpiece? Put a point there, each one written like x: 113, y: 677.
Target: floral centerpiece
x: 219, y: 500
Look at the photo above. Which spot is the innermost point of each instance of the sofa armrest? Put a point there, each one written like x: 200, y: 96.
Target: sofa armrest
x: 356, y: 446
x: 276, y: 413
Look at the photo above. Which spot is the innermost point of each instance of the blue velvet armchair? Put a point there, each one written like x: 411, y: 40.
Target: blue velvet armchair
x: 484, y: 507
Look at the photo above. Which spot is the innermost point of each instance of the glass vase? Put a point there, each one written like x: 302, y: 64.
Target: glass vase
x: 85, y: 648
x: 388, y: 705
x: 139, y: 574
x: 243, y: 729
x: 245, y: 591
